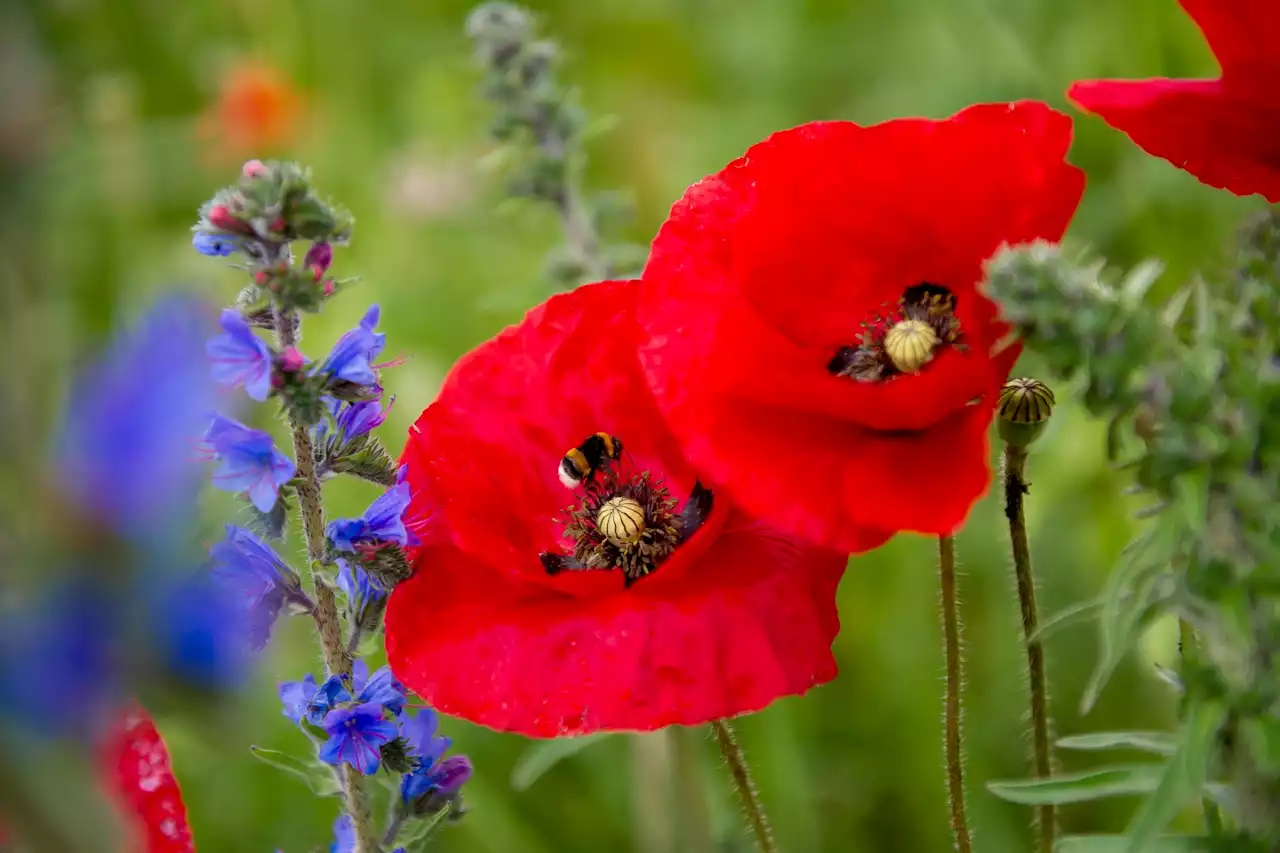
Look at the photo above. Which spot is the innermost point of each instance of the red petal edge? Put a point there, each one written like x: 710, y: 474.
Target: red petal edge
x: 136, y: 764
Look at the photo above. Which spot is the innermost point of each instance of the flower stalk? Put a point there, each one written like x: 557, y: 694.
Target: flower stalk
x: 952, y: 710
x: 337, y: 658
x: 745, y: 787
x: 1025, y: 407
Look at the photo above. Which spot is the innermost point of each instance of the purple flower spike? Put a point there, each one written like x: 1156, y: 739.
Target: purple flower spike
x: 250, y: 461
x: 240, y: 357
x: 352, y: 357
x: 258, y: 580
x: 356, y: 736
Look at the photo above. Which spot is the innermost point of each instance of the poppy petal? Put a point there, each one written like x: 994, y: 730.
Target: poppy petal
x: 136, y: 762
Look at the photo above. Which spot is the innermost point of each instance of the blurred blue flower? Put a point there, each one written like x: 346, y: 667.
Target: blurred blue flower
x: 296, y: 696
x: 380, y: 523
x: 250, y: 461
x: 195, y: 630
x: 258, y: 579
x: 126, y: 450
x: 213, y: 245
x: 356, y: 736
x: 353, y: 354
x: 59, y: 660
x: 344, y: 834
x: 240, y: 357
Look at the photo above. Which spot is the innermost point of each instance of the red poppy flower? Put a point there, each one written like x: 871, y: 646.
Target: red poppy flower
x: 815, y: 336
x: 138, y: 774
x: 257, y: 111
x: 634, y: 600
x: 1224, y: 131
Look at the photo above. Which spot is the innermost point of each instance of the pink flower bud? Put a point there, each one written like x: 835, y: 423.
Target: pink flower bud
x: 329, y: 287
x: 278, y: 225
x: 291, y: 361
x: 255, y: 169
x: 220, y: 217
x: 260, y: 277
x: 319, y: 255
x: 316, y: 272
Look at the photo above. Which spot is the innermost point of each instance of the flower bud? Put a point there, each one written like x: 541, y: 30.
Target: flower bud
x: 220, y: 217
x: 329, y: 287
x: 278, y: 225
x: 291, y: 361
x: 261, y: 277
x: 451, y: 774
x: 319, y: 255
x: 1025, y: 407
x: 255, y: 169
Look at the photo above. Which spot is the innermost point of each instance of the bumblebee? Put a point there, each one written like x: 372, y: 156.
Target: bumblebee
x: 581, y: 463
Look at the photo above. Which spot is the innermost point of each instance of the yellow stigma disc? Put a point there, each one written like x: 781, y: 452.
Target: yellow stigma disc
x: 910, y: 345
x: 621, y: 520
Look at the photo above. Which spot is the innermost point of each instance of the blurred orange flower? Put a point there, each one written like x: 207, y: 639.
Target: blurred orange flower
x: 256, y: 112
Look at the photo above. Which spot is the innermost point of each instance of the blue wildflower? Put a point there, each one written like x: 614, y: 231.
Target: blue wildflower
x: 353, y: 354
x: 124, y: 453
x: 250, y: 461
x: 240, y: 357
x: 419, y: 732
x: 356, y: 419
x: 326, y: 697
x: 366, y: 599
x: 432, y: 782
x: 381, y: 687
x: 296, y: 696
x: 356, y: 736
x: 258, y: 579
x: 344, y: 835
x: 213, y: 245
x: 381, y: 523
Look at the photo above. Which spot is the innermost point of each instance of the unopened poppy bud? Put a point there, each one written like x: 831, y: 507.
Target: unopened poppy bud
x: 319, y: 255
x: 255, y: 169
x: 910, y: 345
x: 621, y: 520
x: 1025, y: 407
x: 291, y: 361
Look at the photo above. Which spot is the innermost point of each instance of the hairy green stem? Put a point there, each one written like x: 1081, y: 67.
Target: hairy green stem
x: 746, y: 788
x: 1015, y: 489
x: 337, y: 660
x: 953, y: 737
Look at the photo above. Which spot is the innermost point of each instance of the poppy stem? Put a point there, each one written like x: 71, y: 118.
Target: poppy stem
x: 1015, y: 489
x: 746, y: 788
x: 953, y: 738
x: 337, y: 659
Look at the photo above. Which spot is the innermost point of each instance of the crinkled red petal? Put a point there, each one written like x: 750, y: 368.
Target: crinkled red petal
x: 1224, y: 137
x: 1242, y: 34
x: 751, y: 621
x: 735, y: 618
x: 765, y: 269
x: 136, y: 765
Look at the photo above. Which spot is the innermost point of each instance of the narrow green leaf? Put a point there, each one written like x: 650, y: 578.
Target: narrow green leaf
x: 1139, y: 280
x: 414, y: 832
x: 1171, y: 313
x: 320, y: 781
x: 1118, y: 844
x: 1073, y: 615
x: 1159, y: 743
x: 1184, y: 776
x: 1191, y: 491
x: 543, y: 755
x: 1113, y: 781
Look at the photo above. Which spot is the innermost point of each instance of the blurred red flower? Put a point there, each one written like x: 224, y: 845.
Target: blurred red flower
x: 137, y: 772
x: 256, y: 112
x: 717, y: 615
x: 812, y: 326
x: 1225, y: 131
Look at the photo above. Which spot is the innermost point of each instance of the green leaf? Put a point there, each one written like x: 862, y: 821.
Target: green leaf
x: 1113, y: 781
x: 1184, y: 777
x: 1119, y: 844
x: 543, y: 755
x: 1126, y: 600
x: 319, y: 779
x: 1160, y: 743
x: 1139, y: 280
x: 1073, y: 615
x: 1191, y: 493
x: 415, y: 831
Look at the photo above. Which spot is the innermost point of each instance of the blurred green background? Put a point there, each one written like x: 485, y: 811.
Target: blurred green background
x: 118, y: 117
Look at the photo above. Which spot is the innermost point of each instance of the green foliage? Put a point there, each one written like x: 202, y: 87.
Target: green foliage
x: 319, y: 777
x: 1114, y: 781
x: 541, y: 756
